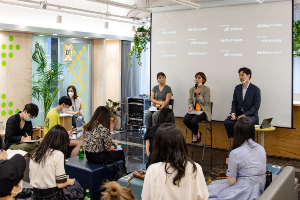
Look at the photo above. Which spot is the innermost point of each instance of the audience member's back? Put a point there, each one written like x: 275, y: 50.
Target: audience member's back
x: 113, y: 191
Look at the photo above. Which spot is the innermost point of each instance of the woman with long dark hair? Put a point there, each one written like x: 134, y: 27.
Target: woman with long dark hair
x: 47, y: 172
x: 166, y: 115
x: 246, y: 173
x: 97, y: 140
x: 172, y: 175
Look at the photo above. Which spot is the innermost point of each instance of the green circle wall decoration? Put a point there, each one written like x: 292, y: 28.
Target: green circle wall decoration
x: 3, y: 96
x: 3, y: 46
x: 3, y: 104
x: 3, y: 55
x: 10, y: 112
x: 11, y: 47
x: 3, y: 63
x: 11, y: 55
x: 17, y: 111
x: 17, y: 47
x: 10, y: 104
x: 11, y: 38
x: 3, y: 113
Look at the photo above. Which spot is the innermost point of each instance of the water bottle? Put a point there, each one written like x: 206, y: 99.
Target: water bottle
x: 81, y: 153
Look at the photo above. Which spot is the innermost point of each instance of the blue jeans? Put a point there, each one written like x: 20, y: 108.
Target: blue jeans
x: 48, y: 194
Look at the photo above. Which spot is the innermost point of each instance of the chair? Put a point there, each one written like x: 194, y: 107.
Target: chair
x: 206, y: 128
x: 171, y: 103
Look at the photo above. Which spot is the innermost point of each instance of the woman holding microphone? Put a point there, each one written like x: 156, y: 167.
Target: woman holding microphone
x: 160, y: 97
x: 199, y: 100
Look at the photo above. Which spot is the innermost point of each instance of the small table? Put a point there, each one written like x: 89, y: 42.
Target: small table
x: 66, y: 122
x: 37, y: 132
x: 262, y: 132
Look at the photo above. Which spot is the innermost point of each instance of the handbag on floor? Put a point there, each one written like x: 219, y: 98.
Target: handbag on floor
x: 137, y: 174
x: 72, y: 192
x: 268, y: 178
x: 118, y: 173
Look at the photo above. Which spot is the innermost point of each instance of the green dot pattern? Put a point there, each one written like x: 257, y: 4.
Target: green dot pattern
x: 3, y: 63
x: 3, y: 113
x: 17, y: 111
x: 11, y: 47
x: 18, y: 47
x: 11, y: 55
x: 10, y: 112
x: 3, y: 46
x: 3, y: 55
x: 3, y: 96
x: 11, y: 38
x: 3, y: 105
x: 10, y: 104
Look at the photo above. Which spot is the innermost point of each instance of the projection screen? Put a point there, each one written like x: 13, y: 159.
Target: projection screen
x: 220, y: 40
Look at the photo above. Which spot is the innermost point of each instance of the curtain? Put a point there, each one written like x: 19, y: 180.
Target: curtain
x: 135, y: 80
x: 296, y: 69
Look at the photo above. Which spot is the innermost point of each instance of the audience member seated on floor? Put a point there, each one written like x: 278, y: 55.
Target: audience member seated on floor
x: 46, y: 165
x: 173, y: 175
x: 160, y: 97
x: 166, y: 115
x: 11, y: 175
x: 3, y: 155
x: 19, y: 129
x: 113, y: 191
x: 52, y: 119
x: 76, y: 108
x: 199, y: 100
x: 97, y: 141
x: 246, y: 173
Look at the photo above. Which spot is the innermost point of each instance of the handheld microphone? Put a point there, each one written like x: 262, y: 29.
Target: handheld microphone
x: 196, y: 85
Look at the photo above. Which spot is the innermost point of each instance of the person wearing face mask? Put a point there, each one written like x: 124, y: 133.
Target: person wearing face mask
x: 76, y: 108
x: 52, y: 119
x: 199, y: 100
x: 245, y: 103
x: 19, y: 129
x: 160, y: 97
x: 11, y: 175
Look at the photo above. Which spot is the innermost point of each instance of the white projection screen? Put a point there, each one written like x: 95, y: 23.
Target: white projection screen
x: 220, y: 40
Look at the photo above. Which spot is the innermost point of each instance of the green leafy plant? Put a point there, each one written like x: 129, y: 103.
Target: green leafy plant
x: 113, y: 107
x: 296, y: 38
x: 141, y: 38
x: 48, y: 82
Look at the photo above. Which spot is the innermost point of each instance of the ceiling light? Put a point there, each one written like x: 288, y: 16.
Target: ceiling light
x: 41, y: 35
x: 106, y: 25
x: 54, y: 34
x: 43, y: 4
x: 259, y: 1
x: 187, y: 3
x: 59, y: 19
x: 86, y: 37
x: 133, y: 28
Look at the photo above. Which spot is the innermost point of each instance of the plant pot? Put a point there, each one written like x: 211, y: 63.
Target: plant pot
x: 112, y: 122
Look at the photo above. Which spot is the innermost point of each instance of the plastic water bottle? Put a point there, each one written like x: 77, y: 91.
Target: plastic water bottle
x: 81, y: 153
x: 87, y: 195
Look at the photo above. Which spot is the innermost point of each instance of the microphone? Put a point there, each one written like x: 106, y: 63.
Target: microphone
x: 196, y: 85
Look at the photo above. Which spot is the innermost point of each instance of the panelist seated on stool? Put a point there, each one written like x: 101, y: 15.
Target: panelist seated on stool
x: 245, y: 103
x: 199, y: 100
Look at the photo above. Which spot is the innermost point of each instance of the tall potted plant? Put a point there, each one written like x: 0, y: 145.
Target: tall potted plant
x: 141, y: 37
x: 296, y: 38
x: 48, y: 83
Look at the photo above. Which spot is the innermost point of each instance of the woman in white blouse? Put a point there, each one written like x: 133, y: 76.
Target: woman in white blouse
x: 172, y: 175
x: 76, y: 108
x: 46, y: 166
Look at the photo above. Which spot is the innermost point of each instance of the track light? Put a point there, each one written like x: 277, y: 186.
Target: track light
x: 187, y: 3
x: 106, y: 25
x: 59, y: 19
x: 43, y: 4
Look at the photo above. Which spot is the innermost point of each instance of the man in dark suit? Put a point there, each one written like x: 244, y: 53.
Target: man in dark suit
x: 246, y: 101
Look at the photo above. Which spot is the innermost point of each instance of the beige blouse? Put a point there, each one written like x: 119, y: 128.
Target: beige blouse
x: 159, y: 186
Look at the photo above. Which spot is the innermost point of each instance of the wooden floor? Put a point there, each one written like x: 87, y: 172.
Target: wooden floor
x: 281, y: 143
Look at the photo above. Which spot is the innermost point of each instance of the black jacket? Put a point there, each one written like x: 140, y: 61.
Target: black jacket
x: 12, y: 128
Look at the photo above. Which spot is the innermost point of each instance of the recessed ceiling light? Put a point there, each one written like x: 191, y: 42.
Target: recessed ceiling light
x: 54, y: 34
x: 41, y: 35
x: 86, y: 37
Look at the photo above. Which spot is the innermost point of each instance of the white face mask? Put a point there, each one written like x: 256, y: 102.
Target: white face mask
x: 71, y: 94
x: 244, y: 81
x: 65, y: 109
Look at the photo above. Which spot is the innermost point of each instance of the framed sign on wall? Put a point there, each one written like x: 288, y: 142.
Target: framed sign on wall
x: 68, y: 48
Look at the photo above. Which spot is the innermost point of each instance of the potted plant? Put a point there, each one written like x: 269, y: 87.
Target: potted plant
x: 48, y: 82
x: 296, y: 38
x: 141, y: 38
x: 113, y: 107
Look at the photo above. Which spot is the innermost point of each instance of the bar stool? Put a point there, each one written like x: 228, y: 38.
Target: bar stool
x: 206, y: 129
